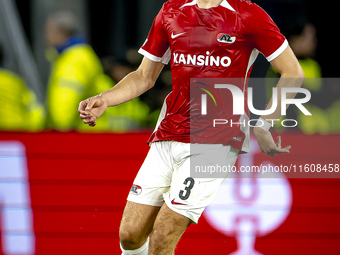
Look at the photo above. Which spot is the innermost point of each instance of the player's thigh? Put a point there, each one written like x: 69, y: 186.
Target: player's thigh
x: 167, y: 230
x: 189, y: 194
x: 136, y: 224
x: 153, y: 178
x: 146, y: 196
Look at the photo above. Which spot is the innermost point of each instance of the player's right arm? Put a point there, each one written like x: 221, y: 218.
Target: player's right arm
x: 132, y: 86
x: 156, y: 52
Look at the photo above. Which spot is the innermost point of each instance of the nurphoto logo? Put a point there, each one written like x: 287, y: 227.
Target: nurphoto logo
x: 239, y: 100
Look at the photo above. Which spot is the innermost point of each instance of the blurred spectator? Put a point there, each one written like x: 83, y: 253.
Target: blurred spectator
x: 76, y: 70
x: 77, y: 73
x: 20, y: 110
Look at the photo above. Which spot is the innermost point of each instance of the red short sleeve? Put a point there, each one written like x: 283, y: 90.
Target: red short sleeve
x: 156, y: 46
x: 264, y: 33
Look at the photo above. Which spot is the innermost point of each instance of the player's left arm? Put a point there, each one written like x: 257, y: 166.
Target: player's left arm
x: 291, y: 76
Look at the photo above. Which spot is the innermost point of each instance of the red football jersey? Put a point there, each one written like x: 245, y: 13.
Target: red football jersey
x: 219, y: 42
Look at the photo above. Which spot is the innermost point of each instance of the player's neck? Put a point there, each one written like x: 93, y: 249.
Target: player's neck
x: 206, y: 4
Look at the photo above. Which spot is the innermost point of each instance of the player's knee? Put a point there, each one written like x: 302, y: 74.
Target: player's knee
x: 130, y: 239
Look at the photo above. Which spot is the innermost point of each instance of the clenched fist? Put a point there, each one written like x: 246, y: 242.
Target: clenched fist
x: 91, y: 109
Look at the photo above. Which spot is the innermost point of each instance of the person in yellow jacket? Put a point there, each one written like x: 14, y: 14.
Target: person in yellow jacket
x: 77, y: 73
x: 20, y: 110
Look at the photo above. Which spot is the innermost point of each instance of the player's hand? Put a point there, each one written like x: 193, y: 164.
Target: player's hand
x: 267, y: 144
x: 91, y: 109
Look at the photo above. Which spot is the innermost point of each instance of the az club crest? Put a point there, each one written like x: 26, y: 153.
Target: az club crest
x: 136, y: 189
x: 224, y: 38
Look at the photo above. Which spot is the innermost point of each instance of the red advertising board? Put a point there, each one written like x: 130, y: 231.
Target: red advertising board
x: 78, y: 184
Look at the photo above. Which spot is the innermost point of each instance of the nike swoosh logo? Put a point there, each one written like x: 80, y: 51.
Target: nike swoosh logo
x: 176, y: 203
x: 173, y: 36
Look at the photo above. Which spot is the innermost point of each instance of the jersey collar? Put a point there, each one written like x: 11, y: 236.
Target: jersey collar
x: 69, y: 43
x: 224, y: 4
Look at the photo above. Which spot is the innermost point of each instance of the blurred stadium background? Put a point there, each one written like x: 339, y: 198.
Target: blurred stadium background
x: 63, y: 186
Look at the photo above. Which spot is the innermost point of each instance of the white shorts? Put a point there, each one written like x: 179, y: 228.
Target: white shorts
x: 165, y: 177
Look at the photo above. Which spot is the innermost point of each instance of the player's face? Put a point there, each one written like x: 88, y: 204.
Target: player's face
x: 54, y: 34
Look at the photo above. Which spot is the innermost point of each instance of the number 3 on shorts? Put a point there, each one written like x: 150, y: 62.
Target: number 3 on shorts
x: 187, y: 188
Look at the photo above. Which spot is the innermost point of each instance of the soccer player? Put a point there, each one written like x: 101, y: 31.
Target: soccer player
x: 201, y: 39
